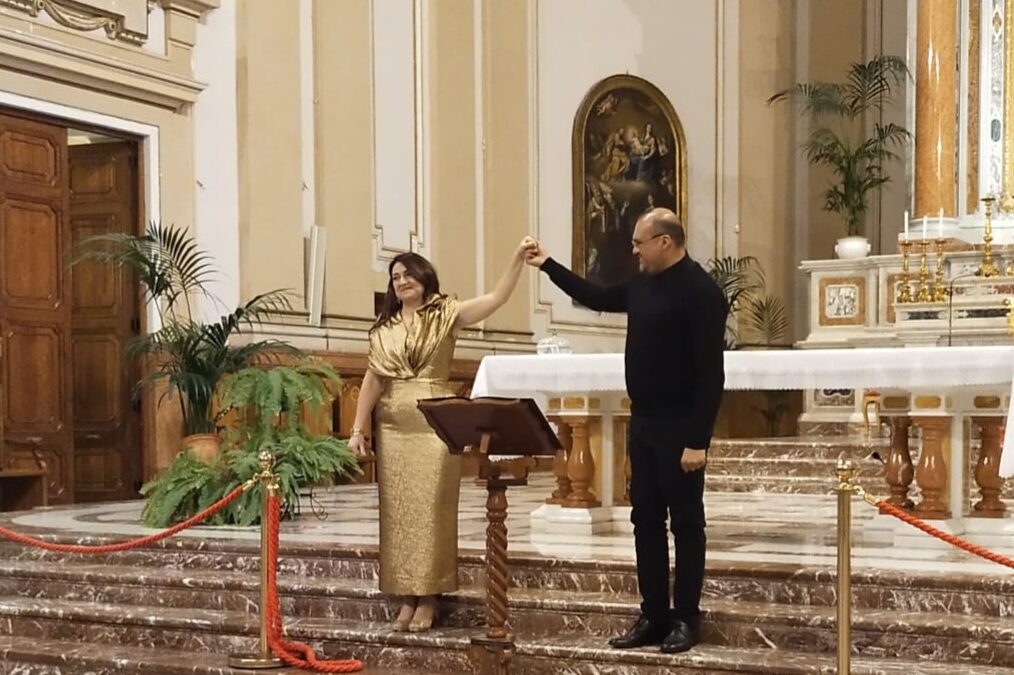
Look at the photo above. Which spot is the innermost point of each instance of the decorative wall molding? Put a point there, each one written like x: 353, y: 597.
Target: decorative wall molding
x: 125, y: 20
x: 59, y: 55
x: 34, y: 55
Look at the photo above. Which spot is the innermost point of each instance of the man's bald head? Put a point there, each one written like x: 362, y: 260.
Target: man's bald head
x: 659, y: 241
x: 664, y: 221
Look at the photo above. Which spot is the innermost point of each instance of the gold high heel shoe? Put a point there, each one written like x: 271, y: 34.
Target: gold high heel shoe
x: 400, y: 625
x: 423, y: 625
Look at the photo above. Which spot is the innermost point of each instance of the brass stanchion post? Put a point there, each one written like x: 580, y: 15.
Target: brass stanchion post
x: 263, y: 659
x: 845, y: 472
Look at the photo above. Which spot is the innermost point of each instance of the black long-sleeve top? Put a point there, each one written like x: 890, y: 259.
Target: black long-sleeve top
x: 674, y: 354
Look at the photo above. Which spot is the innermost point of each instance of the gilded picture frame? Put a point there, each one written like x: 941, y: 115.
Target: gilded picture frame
x: 629, y: 155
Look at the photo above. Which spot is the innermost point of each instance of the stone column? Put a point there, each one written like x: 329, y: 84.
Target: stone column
x: 936, y: 108
x: 560, y: 462
x: 581, y: 466
x: 987, y: 470
x: 621, y: 461
x: 899, y: 470
x: 931, y: 475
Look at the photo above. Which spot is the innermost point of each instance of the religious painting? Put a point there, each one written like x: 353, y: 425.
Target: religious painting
x: 629, y: 156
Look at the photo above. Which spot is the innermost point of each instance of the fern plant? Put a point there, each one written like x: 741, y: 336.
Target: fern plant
x: 177, y: 493
x: 272, y: 404
x: 192, y: 356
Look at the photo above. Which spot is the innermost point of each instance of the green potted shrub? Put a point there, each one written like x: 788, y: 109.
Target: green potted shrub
x: 191, y: 356
x: 272, y: 405
x: 757, y: 320
x: 742, y: 281
x: 836, y: 113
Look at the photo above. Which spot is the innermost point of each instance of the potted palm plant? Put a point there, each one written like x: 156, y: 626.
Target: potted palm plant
x: 757, y: 320
x: 189, y: 355
x: 838, y: 139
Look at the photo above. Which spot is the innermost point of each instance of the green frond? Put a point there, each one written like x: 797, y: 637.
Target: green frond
x: 838, y: 141
x: 765, y: 315
x: 301, y: 459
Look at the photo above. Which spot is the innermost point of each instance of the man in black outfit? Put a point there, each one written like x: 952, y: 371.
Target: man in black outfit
x: 675, y: 378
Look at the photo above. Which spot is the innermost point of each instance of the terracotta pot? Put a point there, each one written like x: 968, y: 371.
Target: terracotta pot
x: 204, y: 446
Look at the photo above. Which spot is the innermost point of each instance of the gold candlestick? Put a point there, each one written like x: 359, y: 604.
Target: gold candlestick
x: 905, y: 291
x: 939, y: 290
x: 924, y: 293
x: 988, y: 268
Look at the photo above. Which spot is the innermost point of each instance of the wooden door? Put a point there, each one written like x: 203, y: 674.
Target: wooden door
x: 35, y: 314
x: 105, y: 315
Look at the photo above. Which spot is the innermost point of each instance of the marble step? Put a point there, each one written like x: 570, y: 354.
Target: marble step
x: 804, y: 448
x: 77, y: 577
x: 444, y: 650
x: 732, y: 623
x: 965, y: 595
x: 792, y: 467
x: 769, y: 484
x: 54, y: 657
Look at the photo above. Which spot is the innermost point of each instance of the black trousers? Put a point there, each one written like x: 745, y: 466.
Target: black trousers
x: 659, y: 488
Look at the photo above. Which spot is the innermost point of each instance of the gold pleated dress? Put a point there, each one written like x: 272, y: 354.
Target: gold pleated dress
x: 418, y: 478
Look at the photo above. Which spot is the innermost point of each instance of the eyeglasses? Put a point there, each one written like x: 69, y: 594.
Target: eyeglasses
x: 639, y: 244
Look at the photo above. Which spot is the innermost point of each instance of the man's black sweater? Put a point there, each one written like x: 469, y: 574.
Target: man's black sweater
x: 675, y: 342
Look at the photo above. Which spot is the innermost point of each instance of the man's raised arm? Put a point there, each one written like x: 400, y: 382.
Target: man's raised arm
x: 591, y: 295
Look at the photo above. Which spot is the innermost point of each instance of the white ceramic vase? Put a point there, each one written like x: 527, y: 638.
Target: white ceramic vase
x: 852, y: 247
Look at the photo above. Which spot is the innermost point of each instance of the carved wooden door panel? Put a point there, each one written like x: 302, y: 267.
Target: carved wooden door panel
x: 35, y: 311
x: 107, y: 451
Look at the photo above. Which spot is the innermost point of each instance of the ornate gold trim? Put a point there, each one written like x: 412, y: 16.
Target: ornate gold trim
x: 573, y: 403
x: 986, y: 402
x: 928, y: 402
x: 577, y: 155
x: 895, y: 402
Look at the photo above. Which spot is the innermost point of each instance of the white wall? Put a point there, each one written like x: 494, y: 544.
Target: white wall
x: 671, y: 44
x: 395, y: 81
x: 216, y: 158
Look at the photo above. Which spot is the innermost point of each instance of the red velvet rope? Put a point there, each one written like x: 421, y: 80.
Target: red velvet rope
x: 291, y: 653
x: 901, y: 514
x: 126, y: 545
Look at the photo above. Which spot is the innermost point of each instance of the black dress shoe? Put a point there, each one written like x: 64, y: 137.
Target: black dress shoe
x: 643, y: 632
x: 683, y: 636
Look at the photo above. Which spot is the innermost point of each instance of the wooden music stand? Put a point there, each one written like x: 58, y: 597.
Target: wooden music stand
x: 486, y: 427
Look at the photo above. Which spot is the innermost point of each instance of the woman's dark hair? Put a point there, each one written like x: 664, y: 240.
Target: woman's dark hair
x: 417, y: 267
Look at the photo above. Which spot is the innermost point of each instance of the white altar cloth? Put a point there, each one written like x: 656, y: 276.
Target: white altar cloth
x: 869, y: 368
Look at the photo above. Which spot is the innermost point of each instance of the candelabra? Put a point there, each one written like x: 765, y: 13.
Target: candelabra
x: 924, y: 290
x: 939, y: 290
x: 988, y: 268
x: 905, y: 291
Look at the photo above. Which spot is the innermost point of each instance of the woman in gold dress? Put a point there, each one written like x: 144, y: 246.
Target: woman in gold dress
x: 411, y: 348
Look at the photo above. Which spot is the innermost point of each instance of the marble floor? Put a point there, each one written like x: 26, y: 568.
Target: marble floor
x: 742, y: 527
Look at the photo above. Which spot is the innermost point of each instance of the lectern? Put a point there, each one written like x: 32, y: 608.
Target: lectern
x: 487, y: 428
